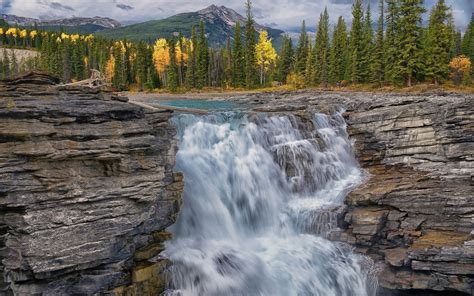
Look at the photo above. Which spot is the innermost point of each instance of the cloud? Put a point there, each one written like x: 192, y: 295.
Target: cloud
x: 284, y: 14
x: 57, y: 5
x: 124, y: 7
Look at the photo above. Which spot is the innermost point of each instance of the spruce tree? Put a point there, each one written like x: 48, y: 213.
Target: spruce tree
x: 439, y: 42
x: 191, y: 70
x: 301, y: 55
x: 410, y: 58
x: 118, y: 80
x: 356, y: 46
x: 391, y: 42
x: 238, y: 63
x: 378, y: 62
x: 310, y: 70
x: 250, y: 42
x: 367, y: 47
x: 173, y: 68
x: 467, y: 46
x: 202, y: 60
x: 66, y: 61
x: 285, y: 61
x: 321, y: 51
x: 338, y: 54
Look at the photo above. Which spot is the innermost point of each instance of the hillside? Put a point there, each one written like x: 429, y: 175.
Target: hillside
x: 82, y: 25
x: 219, y: 20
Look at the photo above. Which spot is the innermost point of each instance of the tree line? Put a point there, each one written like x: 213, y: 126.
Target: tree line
x: 400, y: 51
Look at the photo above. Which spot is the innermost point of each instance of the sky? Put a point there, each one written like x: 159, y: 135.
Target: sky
x: 282, y: 14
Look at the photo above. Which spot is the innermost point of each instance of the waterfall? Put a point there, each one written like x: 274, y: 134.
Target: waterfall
x: 260, y: 195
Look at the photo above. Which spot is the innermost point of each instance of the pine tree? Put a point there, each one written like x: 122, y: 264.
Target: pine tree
x: 467, y: 46
x: 378, y: 62
x: 250, y: 42
x: 439, y: 42
x: 191, y: 71
x: 173, y: 67
x: 118, y: 80
x: 228, y: 63
x: 367, y: 46
x: 456, y: 49
x: 238, y: 68
x: 410, y: 59
x: 202, y: 61
x: 338, y: 54
x: 66, y: 61
x: 391, y: 42
x: 356, y: 46
x: 310, y: 70
x: 321, y: 50
x: 302, y: 50
x: 285, y: 60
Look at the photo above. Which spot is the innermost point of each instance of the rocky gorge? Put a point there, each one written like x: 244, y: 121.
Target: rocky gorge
x: 87, y: 187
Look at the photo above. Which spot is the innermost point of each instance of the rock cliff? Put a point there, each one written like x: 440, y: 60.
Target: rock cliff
x: 86, y: 191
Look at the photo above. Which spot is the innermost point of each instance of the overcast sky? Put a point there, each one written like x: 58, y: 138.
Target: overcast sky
x: 283, y: 14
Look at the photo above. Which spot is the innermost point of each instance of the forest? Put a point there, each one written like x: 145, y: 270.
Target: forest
x: 398, y: 51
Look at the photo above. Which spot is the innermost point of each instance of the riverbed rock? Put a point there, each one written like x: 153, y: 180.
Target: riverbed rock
x: 86, y: 190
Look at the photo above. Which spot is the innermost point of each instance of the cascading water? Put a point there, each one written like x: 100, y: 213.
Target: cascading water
x: 258, y: 201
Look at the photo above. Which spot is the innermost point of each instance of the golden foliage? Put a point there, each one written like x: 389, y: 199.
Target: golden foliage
x: 110, y: 68
x: 265, y: 53
x: 161, y: 55
x: 460, y: 69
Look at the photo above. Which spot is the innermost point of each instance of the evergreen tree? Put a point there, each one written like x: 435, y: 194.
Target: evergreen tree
x: 285, y: 61
x: 6, y: 64
x: 467, y: 46
x: 378, y: 62
x: 119, y: 79
x: 367, y: 47
x: 439, y: 42
x: 202, y: 59
x: 391, y: 43
x: 141, y: 65
x: 302, y: 50
x: 191, y: 71
x: 250, y: 43
x: 321, y: 50
x: 228, y: 63
x: 338, y: 54
x: 66, y: 61
x: 310, y: 70
x: 356, y: 45
x: 173, y: 67
x: 410, y: 58
x: 456, y: 49
x: 238, y: 65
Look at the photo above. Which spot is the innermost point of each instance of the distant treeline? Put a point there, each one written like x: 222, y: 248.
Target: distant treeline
x: 399, y: 52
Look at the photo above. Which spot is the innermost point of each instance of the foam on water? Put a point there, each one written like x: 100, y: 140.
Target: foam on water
x: 258, y: 201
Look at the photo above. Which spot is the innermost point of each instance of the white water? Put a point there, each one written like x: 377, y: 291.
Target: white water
x: 257, y: 204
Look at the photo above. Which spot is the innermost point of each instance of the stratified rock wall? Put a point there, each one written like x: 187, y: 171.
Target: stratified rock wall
x: 86, y: 190
x: 415, y: 214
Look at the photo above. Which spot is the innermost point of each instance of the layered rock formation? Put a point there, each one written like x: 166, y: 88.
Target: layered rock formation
x: 415, y: 214
x: 86, y: 191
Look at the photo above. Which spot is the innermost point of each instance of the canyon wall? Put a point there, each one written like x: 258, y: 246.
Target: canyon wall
x: 414, y: 215
x: 86, y: 191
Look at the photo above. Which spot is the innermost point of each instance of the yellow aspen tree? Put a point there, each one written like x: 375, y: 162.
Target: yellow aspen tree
x: 161, y: 58
x: 110, y: 68
x: 265, y: 54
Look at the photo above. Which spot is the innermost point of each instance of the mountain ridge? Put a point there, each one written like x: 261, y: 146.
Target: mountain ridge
x: 79, y: 24
x: 220, y: 22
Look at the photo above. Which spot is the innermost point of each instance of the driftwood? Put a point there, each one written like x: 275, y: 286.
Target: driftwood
x: 96, y: 80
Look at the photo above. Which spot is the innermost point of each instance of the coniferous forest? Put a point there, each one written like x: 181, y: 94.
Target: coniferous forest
x: 398, y: 51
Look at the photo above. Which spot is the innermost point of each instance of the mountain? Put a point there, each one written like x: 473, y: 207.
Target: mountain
x: 220, y: 22
x: 82, y: 25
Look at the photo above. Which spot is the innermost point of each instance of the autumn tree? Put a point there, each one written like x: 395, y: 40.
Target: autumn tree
x: 460, y: 69
x: 161, y: 59
x: 265, y: 55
